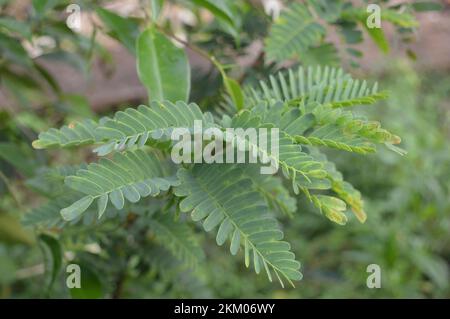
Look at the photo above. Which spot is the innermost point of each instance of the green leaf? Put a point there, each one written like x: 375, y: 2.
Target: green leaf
x: 131, y: 194
x: 220, y: 194
x: 355, y: 14
x: 77, y: 208
x: 55, y: 261
x: 156, y: 6
x: 102, y: 203
x: 219, y: 8
x: 178, y: 238
x: 234, y: 90
x: 325, y: 54
x: 350, y: 33
x: 324, y: 85
x: 81, y: 133
x: 401, y: 19
x: 343, y: 189
x: 125, y: 30
x: 295, y: 164
x: 328, y: 10
x: 422, y: 6
x: 162, y: 67
x: 19, y: 156
x: 128, y: 128
x: 332, y: 207
x: 128, y: 175
x: 42, y: 6
x: 49, y: 213
x: 235, y: 242
x: 31, y: 120
x: 377, y: 35
x: 224, y: 231
x: 295, y: 31
x: 271, y: 187
x: 232, y: 87
x: 117, y: 199
x: 91, y: 285
x: 12, y: 232
x: 11, y: 49
x: 47, y: 77
x: 302, y: 120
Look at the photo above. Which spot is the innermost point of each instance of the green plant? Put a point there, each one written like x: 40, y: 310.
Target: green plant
x: 222, y: 195
x: 130, y: 188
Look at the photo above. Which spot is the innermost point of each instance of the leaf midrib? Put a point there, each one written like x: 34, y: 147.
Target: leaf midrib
x: 224, y: 211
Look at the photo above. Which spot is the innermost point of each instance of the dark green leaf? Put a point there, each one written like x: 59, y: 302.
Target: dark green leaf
x: 91, y: 285
x: 219, y: 8
x: 55, y: 261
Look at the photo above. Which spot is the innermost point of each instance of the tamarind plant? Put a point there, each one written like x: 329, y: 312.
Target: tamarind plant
x: 128, y: 192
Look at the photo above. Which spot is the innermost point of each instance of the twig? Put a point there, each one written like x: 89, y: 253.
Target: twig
x: 191, y: 46
x: 116, y: 294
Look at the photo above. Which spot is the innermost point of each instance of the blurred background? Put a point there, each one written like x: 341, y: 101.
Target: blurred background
x: 54, y: 75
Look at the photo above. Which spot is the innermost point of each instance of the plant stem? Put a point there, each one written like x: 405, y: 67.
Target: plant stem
x: 191, y: 46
